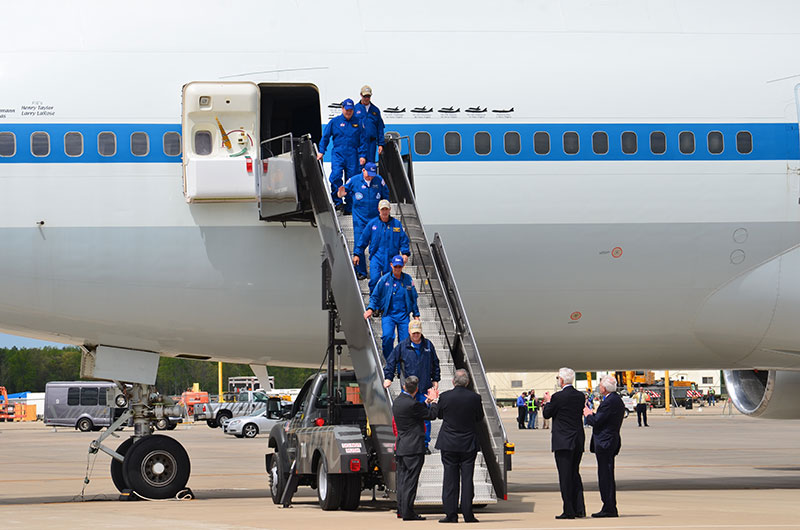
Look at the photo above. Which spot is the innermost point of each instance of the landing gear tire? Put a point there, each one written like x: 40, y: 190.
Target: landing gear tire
x: 222, y: 416
x: 250, y: 430
x: 162, y: 424
x: 351, y: 496
x: 117, y: 474
x: 329, y: 487
x: 156, y: 467
x: 212, y: 423
x: 171, y: 426
x: 84, y: 425
x: 277, y: 478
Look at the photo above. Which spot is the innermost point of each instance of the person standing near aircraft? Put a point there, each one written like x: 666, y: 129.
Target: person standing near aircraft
x: 566, y: 409
x: 395, y: 297
x: 532, y: 413
x: 415, y: 355
x: 386, y: 238
x: 606, y: 442
x: 365, y: 192
x: 641, y: 399
x: 409, y: 416
x: 521, y: 410
x: 345, y: 130
x: 460, y: 410
x: 372, y: 126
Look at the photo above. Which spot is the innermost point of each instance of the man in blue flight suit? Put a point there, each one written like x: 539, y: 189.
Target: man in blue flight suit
x: 371, y: 124
x: 345, y: 130
x: 415, y: 355
x: 386, y: 238
x: 395, y: 297
x: 365, y: 192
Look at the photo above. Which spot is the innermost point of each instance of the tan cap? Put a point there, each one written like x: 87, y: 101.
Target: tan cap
x: 366, y: 90
x: 384, y: 204
x: 415, y: 326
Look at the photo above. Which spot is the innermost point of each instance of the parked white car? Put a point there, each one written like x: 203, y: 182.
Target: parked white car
x: 251, y: 426
x: 630, y: 405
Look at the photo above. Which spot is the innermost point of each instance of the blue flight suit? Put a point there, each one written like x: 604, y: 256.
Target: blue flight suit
x: 347, y: 148
x: 385, y: 240
x: 419, y: 360
x: 364, y: 199
x: 395, y: 298
x: 372, y: 129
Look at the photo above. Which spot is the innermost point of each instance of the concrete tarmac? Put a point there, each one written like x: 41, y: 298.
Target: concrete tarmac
x: 696, y: 469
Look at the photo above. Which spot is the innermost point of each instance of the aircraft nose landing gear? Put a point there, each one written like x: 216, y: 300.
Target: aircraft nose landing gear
x: 153, y: 466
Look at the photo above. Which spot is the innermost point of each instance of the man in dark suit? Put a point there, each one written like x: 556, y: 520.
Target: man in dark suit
x: 566, y: 409
x: 409, y: 452
x: 606, y: 442
x: 461, y: 410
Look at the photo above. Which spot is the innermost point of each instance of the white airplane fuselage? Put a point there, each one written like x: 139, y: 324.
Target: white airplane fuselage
x: 595, y: 261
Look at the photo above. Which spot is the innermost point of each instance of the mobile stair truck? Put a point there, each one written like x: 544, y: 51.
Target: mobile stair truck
x: 330, y: 441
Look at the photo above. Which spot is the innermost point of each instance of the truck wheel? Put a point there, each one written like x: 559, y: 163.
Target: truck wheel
x: 329, y: 487
x: 212, y: 423
x: 277, y: 478
x: 250, y: 430
x: 156, y: 467
x: 351, y: 496
x: 117, y: 475
x: 84, y: 425
x: 627, y: 413
x: 222, y: 416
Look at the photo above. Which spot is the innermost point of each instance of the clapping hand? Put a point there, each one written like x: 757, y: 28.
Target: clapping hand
x: 432, y: 395
x: 587, y: 411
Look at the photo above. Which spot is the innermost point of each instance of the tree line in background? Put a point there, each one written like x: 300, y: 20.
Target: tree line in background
x: 29, y: 369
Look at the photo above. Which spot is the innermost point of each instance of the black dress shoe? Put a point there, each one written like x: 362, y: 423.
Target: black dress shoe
x: 448, y: 520
x: 565, y: 516
x: 581, y: 515
x: 471, y: 520
x: 415, y: 517
x: 605, y: 514
x: 360, y: 276
x: 427, y: 451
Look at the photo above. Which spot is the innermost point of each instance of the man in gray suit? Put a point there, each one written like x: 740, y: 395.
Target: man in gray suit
x: 461, y: 411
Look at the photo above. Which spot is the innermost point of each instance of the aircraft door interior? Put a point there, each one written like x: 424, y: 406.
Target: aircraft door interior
x: 288, y: 112
x: 221, y: 138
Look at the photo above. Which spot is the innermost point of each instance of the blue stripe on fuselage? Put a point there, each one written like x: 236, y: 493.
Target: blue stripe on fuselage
x: 771, y: 141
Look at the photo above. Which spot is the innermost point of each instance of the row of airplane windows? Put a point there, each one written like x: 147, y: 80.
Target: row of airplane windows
x: 106, y: 144
x: 482, y: 143
x: 570, y: 143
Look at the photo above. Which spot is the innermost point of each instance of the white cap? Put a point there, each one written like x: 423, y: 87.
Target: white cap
x: 366, y: 90
x: 415, y: 326
x: 384, y: 204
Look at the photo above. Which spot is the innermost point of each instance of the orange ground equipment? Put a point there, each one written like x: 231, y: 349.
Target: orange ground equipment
x: 190, y: 399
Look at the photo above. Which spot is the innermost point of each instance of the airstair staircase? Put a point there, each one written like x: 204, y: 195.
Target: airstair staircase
x: 443, y: 318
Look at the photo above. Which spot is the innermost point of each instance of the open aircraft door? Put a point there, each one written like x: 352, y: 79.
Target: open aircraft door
x: 221, y: 141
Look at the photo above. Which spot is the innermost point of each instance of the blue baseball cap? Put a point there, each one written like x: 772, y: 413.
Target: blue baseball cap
x: 398, y: 261
x: 372, y: 169
x: 348, y: 104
